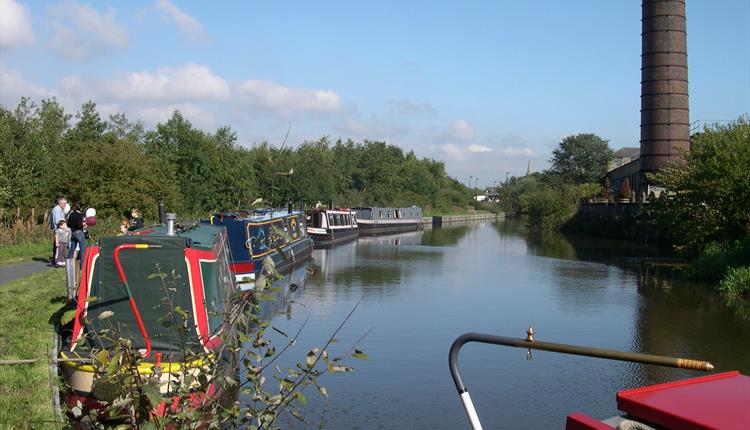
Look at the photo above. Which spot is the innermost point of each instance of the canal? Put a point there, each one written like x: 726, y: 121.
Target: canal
x: 421, y: 290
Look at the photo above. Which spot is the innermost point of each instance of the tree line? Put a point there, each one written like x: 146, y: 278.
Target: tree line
x: 115, y: 163
x: 551, y: 197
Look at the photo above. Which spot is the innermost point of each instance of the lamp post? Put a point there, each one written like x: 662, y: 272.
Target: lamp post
x: 273, y: 181
x: 476, y: 187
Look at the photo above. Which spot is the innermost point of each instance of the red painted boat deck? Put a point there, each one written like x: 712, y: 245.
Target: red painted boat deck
x: 720, y: 401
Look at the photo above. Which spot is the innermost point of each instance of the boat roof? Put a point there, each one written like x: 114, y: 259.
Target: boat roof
x: 198, y: 235
x: 384, y: 208
x: 256, y: 215
x: 718, y: 401
x: 342, y: 210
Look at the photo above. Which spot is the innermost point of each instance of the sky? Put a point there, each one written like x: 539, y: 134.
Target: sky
x: 485, y: 86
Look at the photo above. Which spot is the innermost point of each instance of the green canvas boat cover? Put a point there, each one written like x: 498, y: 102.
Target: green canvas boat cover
x: 158, y: 278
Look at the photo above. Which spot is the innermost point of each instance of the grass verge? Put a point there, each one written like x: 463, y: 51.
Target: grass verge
x: 25, y: 332
x: 11, y: 254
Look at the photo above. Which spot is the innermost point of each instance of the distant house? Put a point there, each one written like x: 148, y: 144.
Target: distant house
x: 624, y: 156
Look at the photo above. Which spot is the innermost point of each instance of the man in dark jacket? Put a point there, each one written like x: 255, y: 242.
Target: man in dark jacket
x: 76, y: 223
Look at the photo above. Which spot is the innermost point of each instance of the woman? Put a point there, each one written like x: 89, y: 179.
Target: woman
x: 76, y: 224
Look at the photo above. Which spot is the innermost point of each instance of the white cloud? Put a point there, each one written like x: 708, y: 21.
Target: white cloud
x: 80, y: 31
x: 13, y: 86
x: 287, y: 100
x: 459, y: 153
x: 515, y: 152
x: 462, y: 130
x: 15, y: 24
x: 188, y: 25
x: 188, y: 82
x: 478, y: 148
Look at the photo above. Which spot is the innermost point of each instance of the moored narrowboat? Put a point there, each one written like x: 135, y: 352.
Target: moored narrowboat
x: 328, y: 227
x: 139, y: 288
x: 260, y: 234
x: 376, y: 220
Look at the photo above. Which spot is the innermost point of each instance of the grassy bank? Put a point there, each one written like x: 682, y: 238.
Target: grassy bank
x: 25, y: 332
x: 25, y: 251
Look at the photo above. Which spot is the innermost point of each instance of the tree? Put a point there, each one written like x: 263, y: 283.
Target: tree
x: 708, y: 198
x: 581, y: 158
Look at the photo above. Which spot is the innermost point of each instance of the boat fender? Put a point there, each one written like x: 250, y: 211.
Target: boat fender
x: 633, y: 425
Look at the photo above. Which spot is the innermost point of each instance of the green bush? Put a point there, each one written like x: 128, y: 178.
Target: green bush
x: 708, y: 196
x: 551, y: 207
x: 736, y: 284
x: 716, y: 259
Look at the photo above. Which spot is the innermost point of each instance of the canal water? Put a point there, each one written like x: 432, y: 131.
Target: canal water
x: 421, y: 290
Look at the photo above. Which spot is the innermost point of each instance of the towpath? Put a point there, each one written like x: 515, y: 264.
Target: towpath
x: 16, y: 271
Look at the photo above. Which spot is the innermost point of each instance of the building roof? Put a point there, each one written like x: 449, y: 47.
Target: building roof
x: 628, y: 152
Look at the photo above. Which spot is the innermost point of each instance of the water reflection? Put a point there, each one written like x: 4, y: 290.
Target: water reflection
x: 285, y: 291
x: 445, y: 236
x: 687, y: 319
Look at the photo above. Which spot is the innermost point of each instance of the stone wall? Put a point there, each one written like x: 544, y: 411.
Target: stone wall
x: 450, y: 219
x: 628, y: 221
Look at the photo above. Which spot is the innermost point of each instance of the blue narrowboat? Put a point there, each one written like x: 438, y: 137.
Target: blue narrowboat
x: 260, y: 234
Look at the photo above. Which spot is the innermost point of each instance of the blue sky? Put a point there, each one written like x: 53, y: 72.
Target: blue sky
x: 484, y: 86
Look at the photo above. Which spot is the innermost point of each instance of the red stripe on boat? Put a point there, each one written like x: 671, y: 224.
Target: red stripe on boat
x: 248, y: 267
x: 196, y: 283
x: 83, y: 294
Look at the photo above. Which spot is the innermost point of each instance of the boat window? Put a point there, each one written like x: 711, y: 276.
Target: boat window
x: 280, y: 225
x: 381, y: 214
x: 217, y: 287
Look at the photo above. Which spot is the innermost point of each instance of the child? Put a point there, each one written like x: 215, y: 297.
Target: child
x: 136, y: 220
x: 62, y: 241
x: 124, y: 224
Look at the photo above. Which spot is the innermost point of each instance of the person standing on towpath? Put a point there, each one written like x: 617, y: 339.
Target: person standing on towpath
x: 76, y: 224
x: 57, y: 215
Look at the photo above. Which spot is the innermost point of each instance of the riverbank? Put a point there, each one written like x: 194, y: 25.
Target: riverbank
x: 439, y: 220
x: 726, y: 265
x: 26, y: 332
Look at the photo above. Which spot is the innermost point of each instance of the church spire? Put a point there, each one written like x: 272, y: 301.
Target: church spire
x: 528, y: 169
